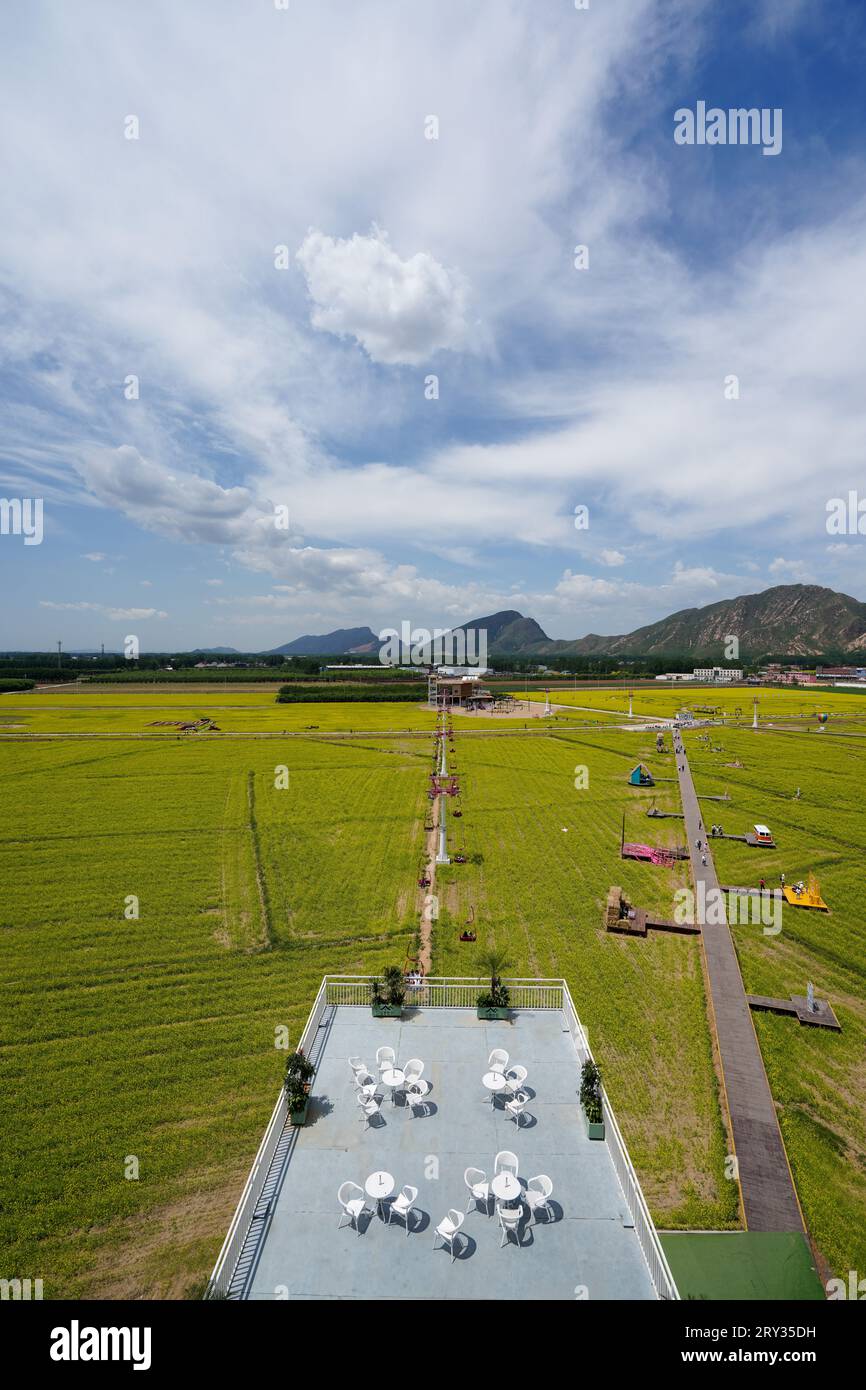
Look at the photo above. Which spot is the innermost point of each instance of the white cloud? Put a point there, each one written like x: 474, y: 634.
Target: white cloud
x: 789, y: 571
x: 605, y: 388
x: 400, y: 311
x: 115, y: 614
x: 95, y: 556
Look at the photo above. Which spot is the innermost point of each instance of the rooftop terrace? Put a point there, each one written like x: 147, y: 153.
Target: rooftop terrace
x: 597, y: 1242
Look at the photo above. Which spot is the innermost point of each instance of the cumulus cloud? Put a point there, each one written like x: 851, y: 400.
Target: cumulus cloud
x: 181, y: 505
x: 400, y: 311
x: 789, y: 571
x: 612, y: 558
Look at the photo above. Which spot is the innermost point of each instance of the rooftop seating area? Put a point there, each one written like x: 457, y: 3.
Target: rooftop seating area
x: 419, y: 1175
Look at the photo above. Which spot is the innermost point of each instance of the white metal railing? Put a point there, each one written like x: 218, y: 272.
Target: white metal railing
x: 238, y: 1231
x: 645, y: 1230
x: 449, y: 992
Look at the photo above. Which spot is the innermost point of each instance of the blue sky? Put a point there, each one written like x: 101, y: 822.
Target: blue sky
x: 296, y: 378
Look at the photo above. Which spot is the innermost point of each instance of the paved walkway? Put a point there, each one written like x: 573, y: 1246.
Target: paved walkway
x: 767, y: 1188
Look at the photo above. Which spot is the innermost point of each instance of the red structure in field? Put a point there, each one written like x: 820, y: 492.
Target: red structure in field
x: 443, y: 786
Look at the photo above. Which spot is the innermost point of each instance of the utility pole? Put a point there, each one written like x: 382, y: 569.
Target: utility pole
x: 59, y: 657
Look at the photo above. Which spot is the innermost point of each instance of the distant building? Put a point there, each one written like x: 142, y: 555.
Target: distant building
x: 676, y: 676
x: 776, y: 674
x: 473, y: 672
x: 718, y: 673
x: 447, y: 691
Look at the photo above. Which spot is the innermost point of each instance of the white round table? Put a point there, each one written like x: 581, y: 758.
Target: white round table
x: 393, y: 1077
x: 506, y: 1187
x: 495, y: 1082
x: 379, y: 1185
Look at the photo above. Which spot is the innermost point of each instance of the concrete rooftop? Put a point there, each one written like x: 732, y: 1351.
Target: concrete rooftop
x: 298, y: 1250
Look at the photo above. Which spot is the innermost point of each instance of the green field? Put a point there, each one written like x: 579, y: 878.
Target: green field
x: 550, y: 854
x: 818, y: 1079
x: 235, y: 711
x: 667, y: 700
x: 153, y: 1037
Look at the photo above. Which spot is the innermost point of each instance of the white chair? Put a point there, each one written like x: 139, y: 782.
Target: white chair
x: 448, y: 1228
x: 509, y: 1221
x: 369, y: 1107
x: 514, y: 1079
x: 498, y: 1060
x: 365, y: 1082
x: 505, y: 1162
x: 357, y: 1065
x: 479, y: 1188
x: 385, y: 1057
x: 416, y: 1094
x: 515, y: 1107
x: 353, y: 1205
x: 403, y: 1204
x: 538, y: 1193
x: 413, y: 1069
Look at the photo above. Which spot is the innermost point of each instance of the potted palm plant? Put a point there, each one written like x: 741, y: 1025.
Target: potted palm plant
x: 296, y: 1084
x: 590, y: 1099
x: 494, y: 1002
x: 387, y: 994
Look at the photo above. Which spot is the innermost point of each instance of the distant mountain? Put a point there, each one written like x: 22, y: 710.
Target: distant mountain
x: 346, y: 641
x: 215, y: 651
x: 787, y: 620
x: 508, y: 633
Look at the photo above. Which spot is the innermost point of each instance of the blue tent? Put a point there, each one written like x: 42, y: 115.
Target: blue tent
x: 641, y: 776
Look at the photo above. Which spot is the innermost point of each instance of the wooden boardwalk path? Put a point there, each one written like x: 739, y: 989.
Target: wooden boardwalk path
x: 767, y: 1188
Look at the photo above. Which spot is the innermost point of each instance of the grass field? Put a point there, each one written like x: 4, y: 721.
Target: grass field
x: 550, y: 854
x: 153, y: 1037
x: 666, y: 701
x: 818, y: 1079
x: 119, y: 710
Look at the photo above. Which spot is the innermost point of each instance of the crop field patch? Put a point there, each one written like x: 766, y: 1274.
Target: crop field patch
x: 152, y: 1036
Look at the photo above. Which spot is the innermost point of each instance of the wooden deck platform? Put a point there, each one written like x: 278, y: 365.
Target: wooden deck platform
x: 798, y: 1005
x: 638, y: 921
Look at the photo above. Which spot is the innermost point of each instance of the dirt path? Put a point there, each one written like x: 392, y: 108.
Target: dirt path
x: 429, y: 902
x: 425, y: 948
